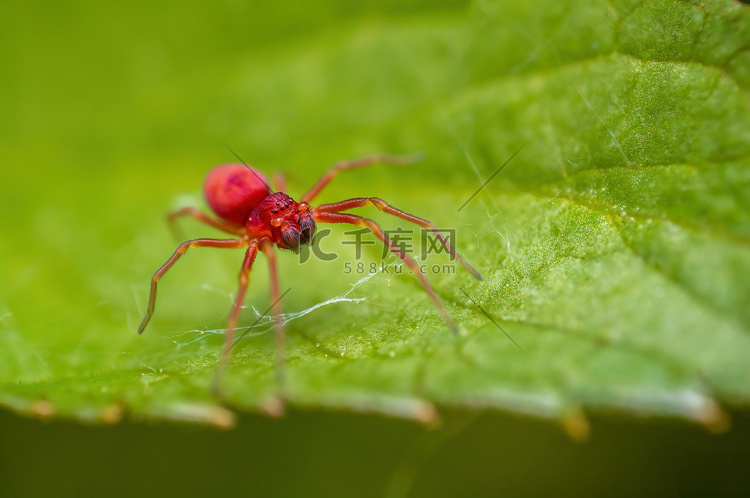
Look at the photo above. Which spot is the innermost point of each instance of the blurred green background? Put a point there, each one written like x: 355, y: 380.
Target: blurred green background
x: 111, y: 115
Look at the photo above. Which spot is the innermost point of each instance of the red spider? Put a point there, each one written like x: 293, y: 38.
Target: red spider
x: 260, y: 218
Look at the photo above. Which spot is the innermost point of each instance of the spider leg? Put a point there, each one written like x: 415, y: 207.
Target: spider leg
x: 357, y: 163
x: 182, y: 249
x: 279, y: 181
x: 353, y: 219
x: 387, y: 208
x: 267, y: 248
x: 199, y: 215
x: 234, y: 316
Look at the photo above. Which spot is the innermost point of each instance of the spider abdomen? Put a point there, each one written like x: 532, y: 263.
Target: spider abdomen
x: 234, y: 190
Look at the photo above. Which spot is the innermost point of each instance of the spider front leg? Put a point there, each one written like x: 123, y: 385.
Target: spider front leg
x: 234, y: 315
x: 278, y: 319
x: 387, y: 208
x: 353, y: 219
x: 182, y: 249
x: 357, y: 163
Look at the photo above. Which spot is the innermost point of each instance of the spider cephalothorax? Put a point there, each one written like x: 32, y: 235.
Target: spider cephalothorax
x: 282, y: 219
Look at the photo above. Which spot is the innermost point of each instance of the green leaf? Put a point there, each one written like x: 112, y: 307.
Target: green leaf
x: 614, y: 246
